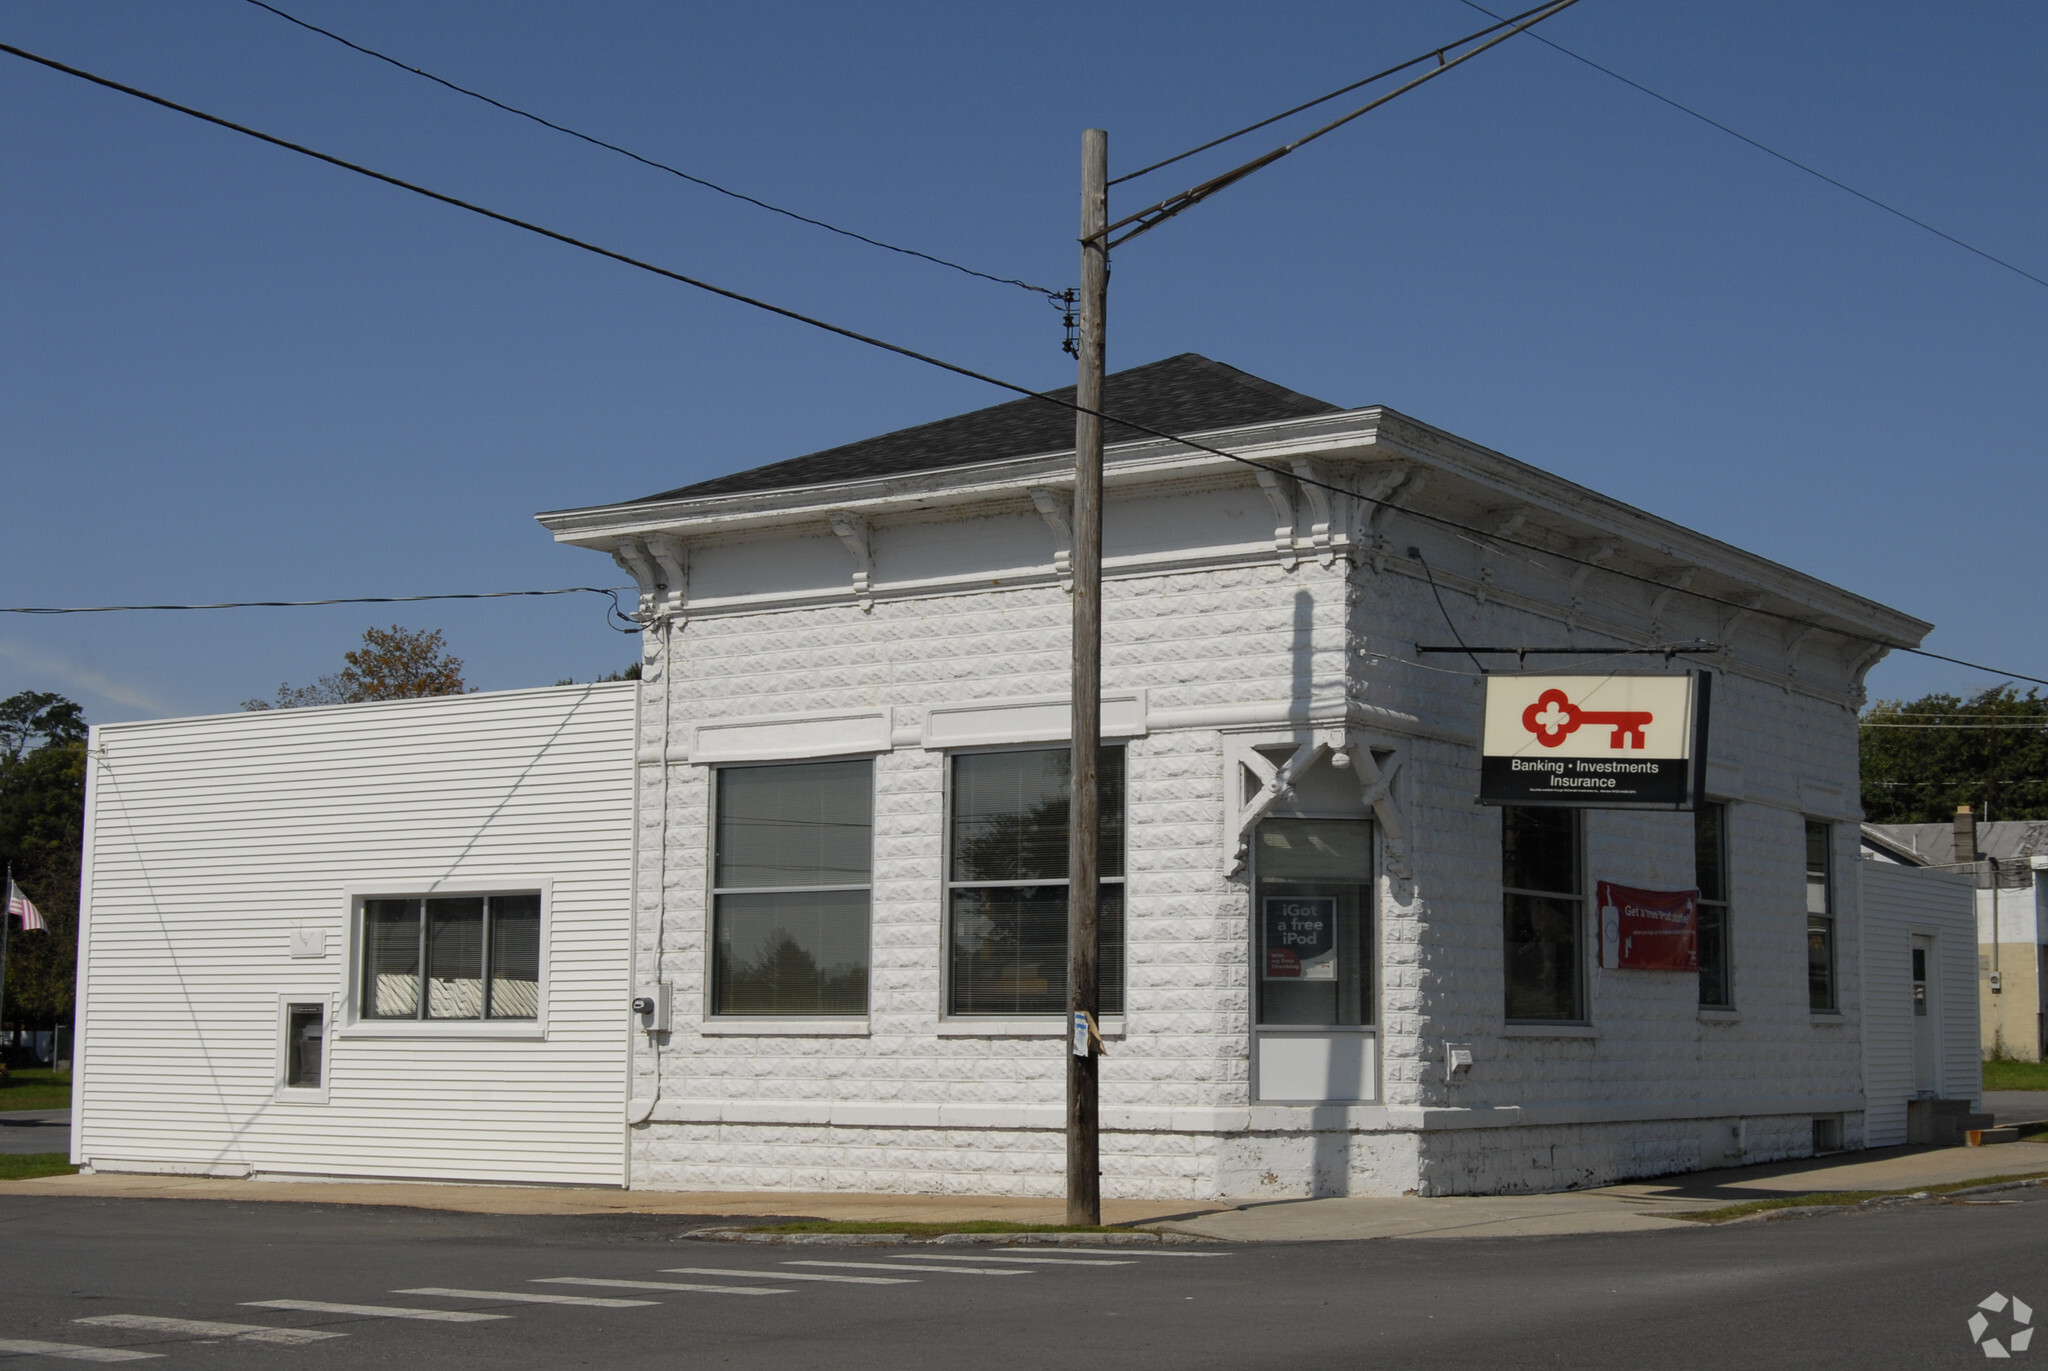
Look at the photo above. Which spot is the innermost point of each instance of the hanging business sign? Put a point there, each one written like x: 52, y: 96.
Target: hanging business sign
x: 1648, y: 930
x: 1301, y: 938
x: 1620, y: 742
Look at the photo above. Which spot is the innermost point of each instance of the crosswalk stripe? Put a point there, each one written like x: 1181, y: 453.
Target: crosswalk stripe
x: 1119, y: 1252
x: 1020, y: 1261
x: 788, y: 1275
x: 70, y: 1351
x: 666, y: 1285
x: 884, y: 1266
x: 207, y: 1328
x: 528, y: 1297
x: 376, y: 1311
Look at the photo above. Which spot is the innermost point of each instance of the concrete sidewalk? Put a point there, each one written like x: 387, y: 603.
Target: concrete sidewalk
x: 1639, y: 1206
x: 1636, y: 1207
x: 541, y: 1199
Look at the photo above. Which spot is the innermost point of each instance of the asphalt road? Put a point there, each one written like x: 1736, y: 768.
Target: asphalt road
x: 1892, y: 1288
x: 35, y: 1130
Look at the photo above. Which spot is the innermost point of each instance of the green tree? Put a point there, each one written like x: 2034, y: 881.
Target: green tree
x: 1923, y: 759
x: 392, y: 664
x: 42, y: 831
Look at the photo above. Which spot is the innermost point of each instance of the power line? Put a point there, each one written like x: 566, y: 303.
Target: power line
x: 1319, y: 100
x: 1782, y: 157
x: 959, y: 370
x: 648, y: 161
x: 1149, y: 218
x: 302, y: 604
x: 2030, y: 728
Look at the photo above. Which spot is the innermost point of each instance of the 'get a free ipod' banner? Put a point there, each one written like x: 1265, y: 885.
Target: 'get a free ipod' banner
x: 1613, y: 741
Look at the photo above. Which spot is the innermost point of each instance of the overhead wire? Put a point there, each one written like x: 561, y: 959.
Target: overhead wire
x: 1773, y: 152
x: 972, y: 374
x: 1152, y: 216
x: 1311, y: 104
x: 611, y: 592
x: 646, y: 161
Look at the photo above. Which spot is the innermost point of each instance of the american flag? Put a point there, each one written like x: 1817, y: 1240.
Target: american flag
x: 18, y: 906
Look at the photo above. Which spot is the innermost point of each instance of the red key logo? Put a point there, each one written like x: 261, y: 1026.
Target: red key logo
x: 1553, y: 718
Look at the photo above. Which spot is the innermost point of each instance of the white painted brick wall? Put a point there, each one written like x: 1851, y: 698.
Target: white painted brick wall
x: 1204, y: 639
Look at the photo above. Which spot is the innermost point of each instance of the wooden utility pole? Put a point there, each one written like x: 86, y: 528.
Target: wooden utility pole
x: 1084, y: 1130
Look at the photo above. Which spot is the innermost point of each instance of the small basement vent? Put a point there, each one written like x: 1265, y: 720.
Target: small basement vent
x: 1827, y: 1135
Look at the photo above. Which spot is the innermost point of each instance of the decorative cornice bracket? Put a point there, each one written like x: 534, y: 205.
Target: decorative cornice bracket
x: 853, y: 531
x: 1058, y: 512
x: 1280, y: 494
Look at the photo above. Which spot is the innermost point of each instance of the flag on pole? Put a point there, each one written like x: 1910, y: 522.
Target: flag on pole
x: 18, y: 906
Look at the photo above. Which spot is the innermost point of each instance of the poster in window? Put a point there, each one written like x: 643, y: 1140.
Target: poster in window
x: 1301, y: 937
x: 1649, y: 930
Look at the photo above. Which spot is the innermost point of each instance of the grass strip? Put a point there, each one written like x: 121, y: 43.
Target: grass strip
x: 2005, y: 1075
x: 927, y: 1230
x: 23, y: 1166
x: 1843, y: 1197
x: 35, y: 1087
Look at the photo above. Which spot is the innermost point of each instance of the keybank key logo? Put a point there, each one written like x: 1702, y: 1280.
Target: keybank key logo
x: 2019, y: 1315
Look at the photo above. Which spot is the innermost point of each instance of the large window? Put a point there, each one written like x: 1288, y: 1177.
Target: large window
x: 1710, y: 874
x: 792, y: 866
x: 1543, y: 907
x: 1820, y: 916
x: 1007, y: 882
x: 452, y: 957
x: 1314, y: 922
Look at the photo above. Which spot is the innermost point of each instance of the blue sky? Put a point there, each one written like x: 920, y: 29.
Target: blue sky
x: 230, y: 373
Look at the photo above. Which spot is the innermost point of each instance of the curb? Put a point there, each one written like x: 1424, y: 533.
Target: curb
x: 1131, y: 1239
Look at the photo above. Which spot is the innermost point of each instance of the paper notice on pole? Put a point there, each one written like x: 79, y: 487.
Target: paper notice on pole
x: 1080, y: 1032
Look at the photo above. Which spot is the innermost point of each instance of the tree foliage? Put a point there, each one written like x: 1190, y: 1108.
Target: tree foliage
x: 1923, y: 759
x: 392, y: 664
x: 42, y: 832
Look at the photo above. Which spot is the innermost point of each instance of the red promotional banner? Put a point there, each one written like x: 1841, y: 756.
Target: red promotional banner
x: 1649, y: 930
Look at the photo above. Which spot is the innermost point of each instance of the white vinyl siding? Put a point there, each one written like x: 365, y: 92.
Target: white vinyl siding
x: 1896, y: 903
x: 214, y: 841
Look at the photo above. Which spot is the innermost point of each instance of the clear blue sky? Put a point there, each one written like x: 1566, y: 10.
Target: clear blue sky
x: 227, y: 372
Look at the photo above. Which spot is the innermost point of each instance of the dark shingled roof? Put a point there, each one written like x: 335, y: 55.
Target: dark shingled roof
x: 1184, y: 394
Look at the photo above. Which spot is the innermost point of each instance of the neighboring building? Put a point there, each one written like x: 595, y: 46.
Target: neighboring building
x: 2006, y: 862
x: 847, y: 852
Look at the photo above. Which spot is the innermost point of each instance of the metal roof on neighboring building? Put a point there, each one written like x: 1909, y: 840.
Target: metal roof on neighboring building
x: 1184, y: 394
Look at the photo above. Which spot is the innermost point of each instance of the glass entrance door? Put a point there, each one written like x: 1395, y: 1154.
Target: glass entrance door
x: 1313, y: 964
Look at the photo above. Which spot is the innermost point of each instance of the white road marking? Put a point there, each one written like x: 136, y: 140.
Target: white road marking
x: 666, y: 1285
x: 70, y: 1351
x: 528, y: 1297
x: 1112, y: 1252
x: 884, y: 1266
x: 206, y: 1328
x: 376, y: 1311
x: 1021, y: 1261
x: 787, y: 1275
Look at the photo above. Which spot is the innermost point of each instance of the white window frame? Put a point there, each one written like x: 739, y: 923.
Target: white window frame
x: 1830, y: 875
x: 1055, y: 1024
x: 782, y: 1025
x: 282, y: 1093
x: 1727, y: 906
x: 1581, y: 937
x: 352, y: 1022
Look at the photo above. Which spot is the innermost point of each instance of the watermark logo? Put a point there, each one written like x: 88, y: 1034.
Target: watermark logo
x: 2021, y: 1316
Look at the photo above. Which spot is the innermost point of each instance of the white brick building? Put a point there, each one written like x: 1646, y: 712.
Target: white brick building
x: 843, y: 884
x: 897, y: 606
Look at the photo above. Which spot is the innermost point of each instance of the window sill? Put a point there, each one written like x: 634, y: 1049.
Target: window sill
x: 1716, y: 1014
x: 1550, y: 1030
x: 1832, y: 1018
x: 1035, y: 1026
x: 1321, y: 1030
x: 766, y: 1027
x: 526, y: 1030
x: 299, y: 1094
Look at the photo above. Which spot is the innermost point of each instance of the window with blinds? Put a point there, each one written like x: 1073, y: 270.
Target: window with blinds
x: 1007, y: 882
x: 460, y: 957
x: 793, y: 865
